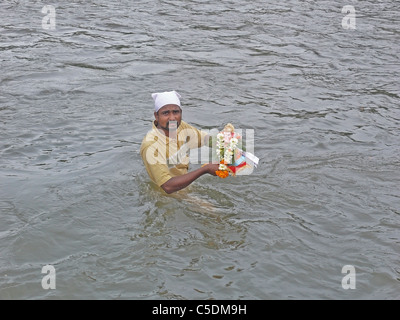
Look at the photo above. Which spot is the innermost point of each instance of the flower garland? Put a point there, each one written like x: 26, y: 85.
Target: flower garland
x: 227, y: 147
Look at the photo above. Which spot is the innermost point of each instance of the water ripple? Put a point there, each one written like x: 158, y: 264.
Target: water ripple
x: 75, y: 104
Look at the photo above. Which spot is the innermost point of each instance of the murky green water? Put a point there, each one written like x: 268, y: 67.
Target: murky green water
x: 323, y: 101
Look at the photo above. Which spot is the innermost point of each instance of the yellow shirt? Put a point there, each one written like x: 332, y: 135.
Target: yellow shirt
x: 167, y: 157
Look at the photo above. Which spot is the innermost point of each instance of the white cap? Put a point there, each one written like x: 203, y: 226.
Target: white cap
x: 164, y: 98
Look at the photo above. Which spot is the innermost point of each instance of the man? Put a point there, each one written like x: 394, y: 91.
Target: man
x: 164, y: 149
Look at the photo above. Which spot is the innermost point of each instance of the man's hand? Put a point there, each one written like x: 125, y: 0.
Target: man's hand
x: 211, y: 168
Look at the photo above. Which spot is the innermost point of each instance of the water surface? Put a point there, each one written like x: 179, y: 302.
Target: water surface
x: 323, y: 101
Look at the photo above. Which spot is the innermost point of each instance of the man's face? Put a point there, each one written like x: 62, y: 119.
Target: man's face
x: 169, y: 117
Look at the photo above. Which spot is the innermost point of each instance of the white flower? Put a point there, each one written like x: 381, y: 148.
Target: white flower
x: 228, y: 156
x: 234, y: 141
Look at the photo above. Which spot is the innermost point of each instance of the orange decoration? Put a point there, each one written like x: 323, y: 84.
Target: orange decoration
x: 222, y: 174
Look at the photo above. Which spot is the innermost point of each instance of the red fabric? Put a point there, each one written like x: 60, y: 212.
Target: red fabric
x: 234, y: 169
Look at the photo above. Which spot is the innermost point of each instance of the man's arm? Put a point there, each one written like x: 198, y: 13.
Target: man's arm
x: 180, y: 182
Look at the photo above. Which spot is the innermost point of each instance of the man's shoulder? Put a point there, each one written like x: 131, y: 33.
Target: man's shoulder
x: 184, y: 126
x: 150, y: 138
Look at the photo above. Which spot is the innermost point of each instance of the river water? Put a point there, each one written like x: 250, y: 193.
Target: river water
x: 322, y: 98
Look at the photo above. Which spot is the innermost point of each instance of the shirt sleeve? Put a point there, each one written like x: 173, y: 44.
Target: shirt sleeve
x: 155, y: 162
x: 159, y: 173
